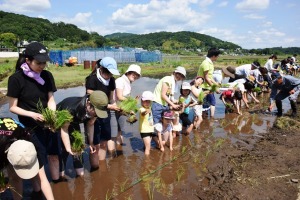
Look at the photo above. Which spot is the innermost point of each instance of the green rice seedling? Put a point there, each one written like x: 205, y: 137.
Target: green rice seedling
x: 131, y: 118
x: 128, y: 105
x: 256, y: 89
x: 181, y: 100
x: 225, y: 85
x: 150, y: 190
x: 123, y: 185
x: 49, y: 116
x: 62, y: 117
x: 201, y: 97
x: 214, y: 88
x: 77, y: 145
x: 180, y: 172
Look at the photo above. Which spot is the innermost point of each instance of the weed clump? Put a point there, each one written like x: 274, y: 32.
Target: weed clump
x: 287, y: 123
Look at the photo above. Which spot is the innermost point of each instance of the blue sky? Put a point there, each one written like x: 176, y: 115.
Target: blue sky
x: 248, y: 23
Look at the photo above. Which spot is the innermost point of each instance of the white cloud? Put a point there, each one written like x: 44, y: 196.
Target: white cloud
x: 28, y: 6
x: 204, y: 3
x: 252, y: 39
x: 173, y: 15
x: 80, y: 19
x: 254, y: 16
x: 224, y: 34
x: 267, y: 24
x: 272, y: 32
x: 223, y: 4
x: 248, y: 5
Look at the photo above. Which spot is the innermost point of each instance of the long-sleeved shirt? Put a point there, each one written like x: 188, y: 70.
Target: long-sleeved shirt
x: 288, y: 84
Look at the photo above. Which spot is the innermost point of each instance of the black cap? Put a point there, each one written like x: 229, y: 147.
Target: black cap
x: 38, y: 51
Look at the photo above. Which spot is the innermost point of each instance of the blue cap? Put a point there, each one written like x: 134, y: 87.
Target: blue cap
x: 110, y: 64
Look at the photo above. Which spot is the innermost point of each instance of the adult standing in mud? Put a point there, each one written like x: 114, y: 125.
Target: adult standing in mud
x: 164, y: 94
x: 289, y: 86
x: 28, y: 86
x: 206, y: 70
x: 123, y: 90
x: 102, y: 79
x: 84, y: 110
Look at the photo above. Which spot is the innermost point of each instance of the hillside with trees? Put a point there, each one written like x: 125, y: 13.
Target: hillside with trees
x: 168, y: 41
x: 15, y: 28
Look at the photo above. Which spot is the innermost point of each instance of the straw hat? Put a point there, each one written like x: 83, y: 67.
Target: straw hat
x: 229, y: 71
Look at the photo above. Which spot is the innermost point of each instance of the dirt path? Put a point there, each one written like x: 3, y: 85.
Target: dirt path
x: 270, y: 169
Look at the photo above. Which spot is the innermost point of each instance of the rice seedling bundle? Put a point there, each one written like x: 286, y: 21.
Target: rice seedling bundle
x: 131, y: 119
x: 128, y: 105
x: 214, y: 88
x: 62, y: 117
x: 49, y: 116
x: 77, y: 145
x: 256, y: 89
x: 225, y: 85
x: 181, y: 100
x: 54, y: 120
x: 201, y: 97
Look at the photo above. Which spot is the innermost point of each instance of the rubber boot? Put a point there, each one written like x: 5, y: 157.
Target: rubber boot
x: 279, y: 108
x: 294, y: 108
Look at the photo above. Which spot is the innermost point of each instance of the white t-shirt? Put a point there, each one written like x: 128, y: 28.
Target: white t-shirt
x: 269, y: 65
x: 123, y: 83
x: 243, y: 70
x: 159, y: 128
x: 256, y: 73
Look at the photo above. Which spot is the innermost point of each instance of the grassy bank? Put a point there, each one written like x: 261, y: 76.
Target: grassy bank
x: 74, y: 76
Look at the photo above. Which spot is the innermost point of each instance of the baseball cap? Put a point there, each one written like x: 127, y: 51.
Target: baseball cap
x: 38, y: 51
x: 147, y: 95
x: 180, y: 70
x: 186, y: 86
x: 110, y: 64
x: 168, y: 115
x: 22, y: 156
x: 134, y: 68
x: 99, y: 100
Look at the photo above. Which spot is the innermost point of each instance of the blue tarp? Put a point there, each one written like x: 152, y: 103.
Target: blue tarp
x: 121, y: 56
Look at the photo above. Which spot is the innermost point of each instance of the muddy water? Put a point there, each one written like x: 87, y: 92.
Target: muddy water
x: 128, y: 174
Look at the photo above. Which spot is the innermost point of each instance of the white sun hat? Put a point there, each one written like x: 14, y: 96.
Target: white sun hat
x: 134, y: 68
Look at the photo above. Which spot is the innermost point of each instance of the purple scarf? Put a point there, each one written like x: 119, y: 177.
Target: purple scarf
x: 28, y: 72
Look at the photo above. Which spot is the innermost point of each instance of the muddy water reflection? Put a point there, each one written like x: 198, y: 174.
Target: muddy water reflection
x: 131, y: 175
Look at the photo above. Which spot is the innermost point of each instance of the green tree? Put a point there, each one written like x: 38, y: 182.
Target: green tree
x: 8, y: 39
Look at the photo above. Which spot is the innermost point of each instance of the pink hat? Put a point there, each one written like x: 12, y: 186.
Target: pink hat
x: 168, y: 115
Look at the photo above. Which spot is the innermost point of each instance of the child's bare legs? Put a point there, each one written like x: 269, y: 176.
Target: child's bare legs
x: 174, y: 134
x: 119, y: 138
x: 156, y: 141
x: 111, y: 146
x: 168, y: 137
x: 189, y: 129
x: 212, y: 111
x: 171, y: 141
x: 197, y: 121
x: 147, y: 143
x: 79, y: 171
